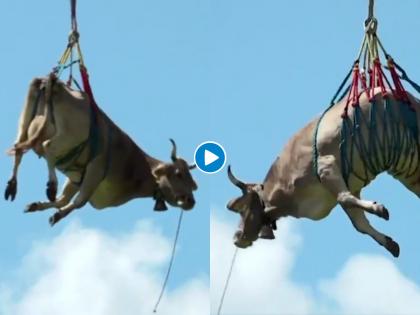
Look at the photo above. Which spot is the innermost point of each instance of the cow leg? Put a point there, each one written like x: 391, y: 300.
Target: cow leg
x: 330, y: 176
x: 24, y: 122
x: 361, y: 224
x: 52, y: 183
x: 92, y: 179
x: 11, y: 188
x: 69, y: 190
x: 52, y: 150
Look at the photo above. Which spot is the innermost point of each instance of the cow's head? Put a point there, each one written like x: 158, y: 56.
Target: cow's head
x: 250, y: 206
x: 175, y: 183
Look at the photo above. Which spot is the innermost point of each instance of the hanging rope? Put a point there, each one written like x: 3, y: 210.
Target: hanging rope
x: 371, y: 12
x: 73, y: 16
x: 219, y: 310
x: 165, y: 282
x: 72, y: 45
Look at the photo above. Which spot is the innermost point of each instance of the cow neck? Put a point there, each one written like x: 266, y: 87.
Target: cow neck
x: 154, y: 186
x: 153, y: 163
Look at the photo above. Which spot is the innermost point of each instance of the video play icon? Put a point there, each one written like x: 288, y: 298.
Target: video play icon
x: 210, y: 157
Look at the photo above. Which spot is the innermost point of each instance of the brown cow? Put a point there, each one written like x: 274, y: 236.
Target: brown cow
x: 293, y: 188
x: 102, y: 163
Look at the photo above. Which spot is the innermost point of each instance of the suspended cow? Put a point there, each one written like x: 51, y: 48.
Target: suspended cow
x: 102, y: 163
x: 308, y: 179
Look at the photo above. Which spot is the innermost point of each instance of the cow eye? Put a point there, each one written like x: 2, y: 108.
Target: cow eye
x: 178, y: 173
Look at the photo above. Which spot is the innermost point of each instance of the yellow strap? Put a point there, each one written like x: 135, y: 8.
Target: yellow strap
x: 79, y: 52
x: 65, y: 55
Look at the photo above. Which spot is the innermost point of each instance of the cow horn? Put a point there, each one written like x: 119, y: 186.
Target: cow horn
x: 236, y: 181
x: 173, y: 153
x: 192, y: 166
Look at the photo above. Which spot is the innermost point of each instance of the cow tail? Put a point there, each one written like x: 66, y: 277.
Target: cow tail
x: 30, y: 142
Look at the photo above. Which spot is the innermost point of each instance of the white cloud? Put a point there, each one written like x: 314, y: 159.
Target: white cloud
x: 372, y: 285
x: 88, y: 272
x: 262, y: 284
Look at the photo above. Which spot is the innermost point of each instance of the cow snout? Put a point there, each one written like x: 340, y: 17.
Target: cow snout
x: 186, y: 202
x: 231, y: 206
x: 240, y: 241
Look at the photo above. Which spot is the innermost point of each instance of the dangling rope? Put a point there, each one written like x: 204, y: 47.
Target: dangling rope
x: 165, y: 282
x: 222, y: 299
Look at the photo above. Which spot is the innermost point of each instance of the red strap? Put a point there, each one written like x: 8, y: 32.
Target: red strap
x: 363, y: 79
x: 353, y: 96
x: 400, y: 92
x: 380, y: 76
x: 86, y: 86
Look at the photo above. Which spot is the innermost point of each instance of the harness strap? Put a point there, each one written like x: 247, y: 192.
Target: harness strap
x: 395, y: 152
x: 405, y: 77
x: 400, y: 135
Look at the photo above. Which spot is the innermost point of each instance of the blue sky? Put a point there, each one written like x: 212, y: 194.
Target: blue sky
x: 247, y: 74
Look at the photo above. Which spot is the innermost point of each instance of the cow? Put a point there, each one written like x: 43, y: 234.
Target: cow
x: 103, y: 165
x: 301, y: 186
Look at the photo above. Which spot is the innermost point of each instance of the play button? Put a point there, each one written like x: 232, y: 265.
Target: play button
x: 210, y: 157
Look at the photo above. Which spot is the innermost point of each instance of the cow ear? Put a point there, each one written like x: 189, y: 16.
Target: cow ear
x: 159, y: 171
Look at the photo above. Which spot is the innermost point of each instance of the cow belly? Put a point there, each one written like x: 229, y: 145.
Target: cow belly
x: 108, y: 194
x: 315, y: 203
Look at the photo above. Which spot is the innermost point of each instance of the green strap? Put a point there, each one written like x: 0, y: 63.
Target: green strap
x: 72, y: 155
x: 334, y: 101
x: 92, y: 142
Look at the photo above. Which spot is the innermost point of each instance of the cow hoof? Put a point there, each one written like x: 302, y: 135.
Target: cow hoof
x: 392, y: 247
x: 385, y: 214
x: 32, y: 207
x: 11, y: 190
x: 51, y: 191
x: 55, y: 218
x: 381, y: 211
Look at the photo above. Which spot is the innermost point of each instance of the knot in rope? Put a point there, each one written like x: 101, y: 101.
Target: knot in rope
x: 73, y: 38
x: 371, y: 26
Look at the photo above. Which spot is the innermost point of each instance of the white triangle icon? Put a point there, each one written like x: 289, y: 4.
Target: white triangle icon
x: 209, y: 157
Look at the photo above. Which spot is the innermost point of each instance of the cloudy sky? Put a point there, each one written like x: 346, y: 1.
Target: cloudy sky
x: 245, y: 73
